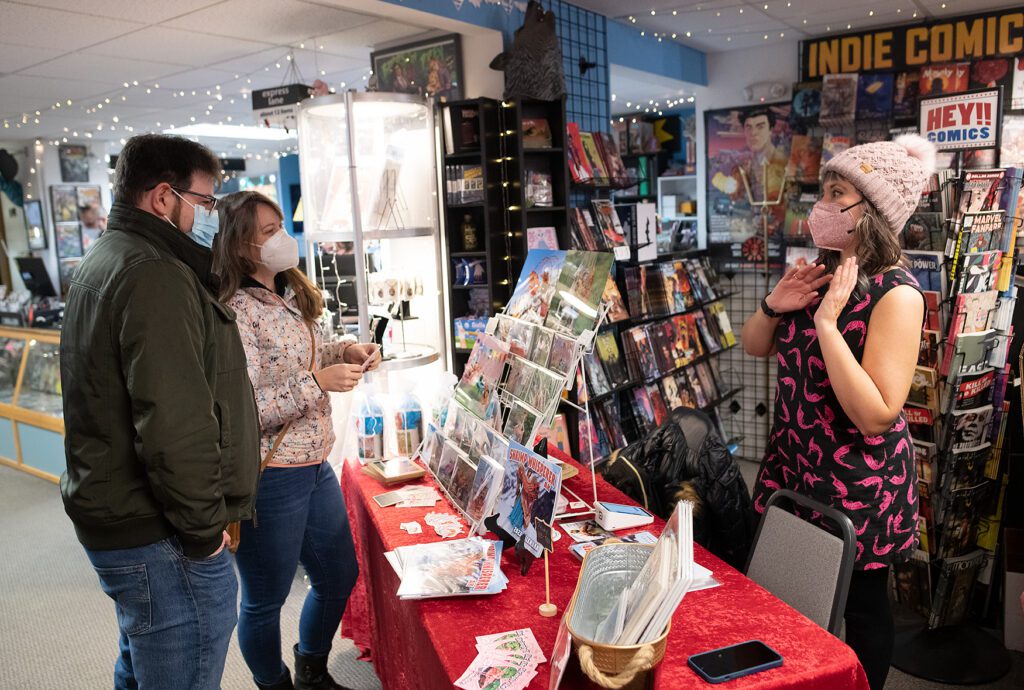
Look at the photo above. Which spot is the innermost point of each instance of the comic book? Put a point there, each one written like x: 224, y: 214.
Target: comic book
x: 924, y: 389
x: 463, y: 567
x: 611, y: 359
x: 875, y: 96
x: 972, y: 313
x: 930, y: 354
x: 925, y: 231
x: 978, y: 233
x: 928, y: 269
x: 613, y: 298
x: 971, y: 428
x: 953, y: 591
x: 529, y: 491
x: 913, y: 583
x: 973, y: 390
x: 979, y: 272
x: 717, y: 311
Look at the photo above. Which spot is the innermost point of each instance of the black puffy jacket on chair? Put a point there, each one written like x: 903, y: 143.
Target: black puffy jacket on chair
x: 686, y: 459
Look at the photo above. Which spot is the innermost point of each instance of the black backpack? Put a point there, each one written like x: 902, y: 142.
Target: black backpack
x: 685, y: 458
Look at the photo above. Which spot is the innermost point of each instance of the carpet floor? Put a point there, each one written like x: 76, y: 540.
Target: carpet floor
x: 58, y: 631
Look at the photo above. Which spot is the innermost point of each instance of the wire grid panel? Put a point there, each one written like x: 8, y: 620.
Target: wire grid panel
x: 583, y: 35
x: 755, y: 374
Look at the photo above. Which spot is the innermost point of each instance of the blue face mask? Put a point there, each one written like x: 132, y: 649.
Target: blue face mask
x: 205, y: 224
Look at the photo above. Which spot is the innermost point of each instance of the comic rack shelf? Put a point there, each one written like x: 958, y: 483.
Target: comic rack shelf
x: 507, y: 186
x: 957, y: 412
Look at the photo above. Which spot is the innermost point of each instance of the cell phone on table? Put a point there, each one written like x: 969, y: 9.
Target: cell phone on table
x: 735, y: 661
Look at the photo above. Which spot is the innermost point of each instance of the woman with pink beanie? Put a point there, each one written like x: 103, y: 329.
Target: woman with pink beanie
x: 846, y: 332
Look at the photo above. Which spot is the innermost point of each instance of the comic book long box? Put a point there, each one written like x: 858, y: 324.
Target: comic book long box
x: 479, y: 452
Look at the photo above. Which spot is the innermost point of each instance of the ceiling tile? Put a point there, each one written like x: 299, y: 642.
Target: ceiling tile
x: 143, y: 11
x: 176, y: 46
x: 353, y: 42
x: 16, y: 57
x: 37, y: 26
x: 274, y: 21
x: 101, y: 68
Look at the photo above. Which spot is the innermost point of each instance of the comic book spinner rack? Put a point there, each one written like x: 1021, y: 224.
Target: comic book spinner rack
x: 583, y: 344
x: 960, y: 653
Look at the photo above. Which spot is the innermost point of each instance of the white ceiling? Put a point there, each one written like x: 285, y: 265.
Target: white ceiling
x: 630, y: 87
x: 720, y: 25
x: 53, y: 51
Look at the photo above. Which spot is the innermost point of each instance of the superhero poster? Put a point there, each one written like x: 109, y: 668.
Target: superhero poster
x: 748, y: 150
x: 529, y: 490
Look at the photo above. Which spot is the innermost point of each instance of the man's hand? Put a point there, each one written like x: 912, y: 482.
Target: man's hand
x: 226, y: 541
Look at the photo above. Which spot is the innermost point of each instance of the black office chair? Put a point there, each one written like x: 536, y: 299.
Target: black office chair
x: 806, y: 566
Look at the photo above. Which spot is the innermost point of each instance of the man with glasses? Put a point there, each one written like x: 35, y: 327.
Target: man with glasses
x: 161, y: 428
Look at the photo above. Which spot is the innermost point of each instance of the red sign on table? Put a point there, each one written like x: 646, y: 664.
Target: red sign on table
x: 961, y: 121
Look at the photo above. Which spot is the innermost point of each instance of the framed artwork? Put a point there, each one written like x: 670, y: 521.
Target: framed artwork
x: 34, y: 224
x: 428, y: 68
x: 68, y: 237
x: 74, y: 163
x: 748, y: 151
x: 64, y: 200
x: 88, y: 195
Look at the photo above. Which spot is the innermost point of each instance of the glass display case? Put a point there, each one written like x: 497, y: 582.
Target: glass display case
x: 40, y: 385
x: 31, y: 408
x: 369, y: 189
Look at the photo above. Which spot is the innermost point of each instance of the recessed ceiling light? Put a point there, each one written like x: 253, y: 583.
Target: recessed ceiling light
x: 688, y: 34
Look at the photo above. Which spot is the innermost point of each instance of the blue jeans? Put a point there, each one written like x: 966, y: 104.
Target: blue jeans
x: 175, y: 615
x: 300, y: 518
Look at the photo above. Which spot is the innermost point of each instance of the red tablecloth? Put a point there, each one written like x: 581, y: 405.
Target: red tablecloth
x: 429, y: 644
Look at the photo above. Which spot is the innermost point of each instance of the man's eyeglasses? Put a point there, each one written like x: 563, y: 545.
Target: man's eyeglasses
x: 208, y: 201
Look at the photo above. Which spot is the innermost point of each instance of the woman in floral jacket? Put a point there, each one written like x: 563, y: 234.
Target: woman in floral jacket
x: 300, y: 514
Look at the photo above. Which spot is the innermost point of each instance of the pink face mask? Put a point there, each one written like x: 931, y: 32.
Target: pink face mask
x: 831, y: 225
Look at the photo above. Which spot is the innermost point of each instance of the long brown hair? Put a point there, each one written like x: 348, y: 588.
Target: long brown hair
x: 231, y: 262
x: 878, y: 246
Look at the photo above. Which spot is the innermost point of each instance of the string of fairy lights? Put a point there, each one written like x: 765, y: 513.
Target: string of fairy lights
x: 739, y: 11
x: 213, y: 100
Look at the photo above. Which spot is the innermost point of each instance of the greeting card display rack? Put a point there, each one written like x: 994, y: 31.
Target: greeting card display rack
x: 959, y: 651
x: 582, y: 344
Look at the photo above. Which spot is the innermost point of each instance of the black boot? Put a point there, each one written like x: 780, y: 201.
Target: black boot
x: 283, y: 684
x: 311, y: 673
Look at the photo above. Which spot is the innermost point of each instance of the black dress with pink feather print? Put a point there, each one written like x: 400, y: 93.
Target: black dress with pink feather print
x: 815, y: 450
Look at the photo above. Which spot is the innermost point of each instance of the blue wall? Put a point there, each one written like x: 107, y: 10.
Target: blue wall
x: 287, y: 175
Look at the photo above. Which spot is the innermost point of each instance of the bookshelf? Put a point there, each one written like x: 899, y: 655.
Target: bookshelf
x: 535, y: 160
x: 472, y: 140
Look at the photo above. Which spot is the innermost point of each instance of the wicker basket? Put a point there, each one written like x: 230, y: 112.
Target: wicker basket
x: 607, y: 570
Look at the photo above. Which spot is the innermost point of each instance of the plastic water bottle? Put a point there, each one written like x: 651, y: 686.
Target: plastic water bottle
x: 408, y: 424
x: 370, y: 427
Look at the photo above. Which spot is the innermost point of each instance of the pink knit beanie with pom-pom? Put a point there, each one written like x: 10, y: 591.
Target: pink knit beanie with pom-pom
x: 890, y: 174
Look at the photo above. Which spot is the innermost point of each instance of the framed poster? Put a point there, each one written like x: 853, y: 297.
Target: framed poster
x: 748, y: 150
x: 88, y: 195
x: 64, y: 200
x: 68, y: 238
x: 428, y: 68
x: 74, y: 163
x: 34, y: 224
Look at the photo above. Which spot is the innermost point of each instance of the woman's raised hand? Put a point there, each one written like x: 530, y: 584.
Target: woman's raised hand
x: 798, y: 288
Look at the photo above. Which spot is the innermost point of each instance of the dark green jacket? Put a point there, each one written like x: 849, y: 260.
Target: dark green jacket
x: 161, y: 428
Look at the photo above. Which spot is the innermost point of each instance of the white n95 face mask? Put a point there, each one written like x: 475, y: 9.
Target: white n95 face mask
x: 280, y: 252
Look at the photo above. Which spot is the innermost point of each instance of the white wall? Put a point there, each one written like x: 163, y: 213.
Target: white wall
x: 50, y: 175
x: 728, y: 74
